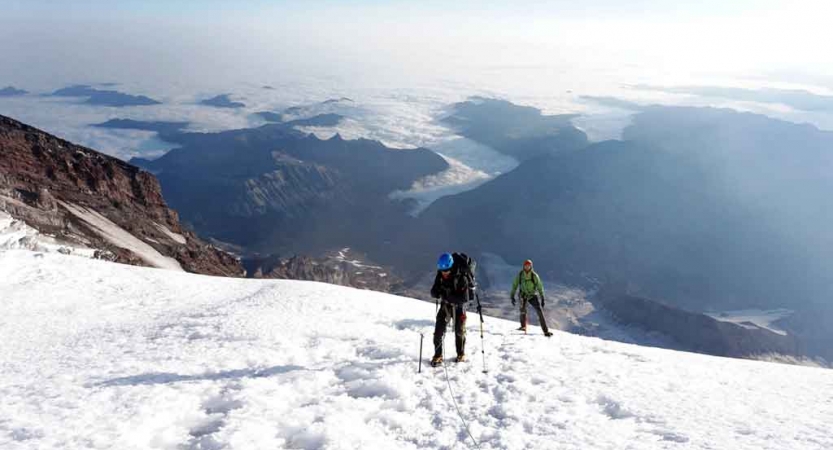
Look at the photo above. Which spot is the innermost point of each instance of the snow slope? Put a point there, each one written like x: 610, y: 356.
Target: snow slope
x: 102, y: 355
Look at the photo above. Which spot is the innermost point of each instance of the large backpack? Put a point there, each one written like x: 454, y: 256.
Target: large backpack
x: 463, y: 274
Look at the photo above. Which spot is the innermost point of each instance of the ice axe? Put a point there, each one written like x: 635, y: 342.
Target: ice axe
x: 482, y: 341
x: 421, y: 337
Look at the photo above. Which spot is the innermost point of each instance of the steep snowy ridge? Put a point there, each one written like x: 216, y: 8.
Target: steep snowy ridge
x: 101, y: 355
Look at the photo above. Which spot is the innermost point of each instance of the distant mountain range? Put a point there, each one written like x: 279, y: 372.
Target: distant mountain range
x: 680, y: 207
x: 11, y: 91
x: 711, y: 208
x: 160, y: 127
x: 518, y: 131
x: 222, y: 101
x: 270, y: 116
x: 104, y: 97
x: 276, y: 190
x: 708, y: 209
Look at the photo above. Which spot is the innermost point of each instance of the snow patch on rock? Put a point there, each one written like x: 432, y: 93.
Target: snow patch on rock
x: 176, y: 237
x: 119, y: 237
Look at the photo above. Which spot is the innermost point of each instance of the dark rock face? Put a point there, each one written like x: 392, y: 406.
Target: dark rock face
x: 11, y: 91
x: 698, y: 332
x: 275, y: 190
x: 41, y: 174
x: 222, y: 101
x: 343, y: 267
x: 105, y: 97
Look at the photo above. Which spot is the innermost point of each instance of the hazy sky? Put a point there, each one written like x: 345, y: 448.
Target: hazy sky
x: 402, y: 61
x: 407, y: 42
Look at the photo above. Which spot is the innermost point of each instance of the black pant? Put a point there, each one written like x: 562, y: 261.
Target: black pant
x: 447, y: 310
x: 534, y: 302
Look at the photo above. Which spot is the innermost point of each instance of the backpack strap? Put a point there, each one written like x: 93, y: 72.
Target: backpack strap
x: 534, y: 278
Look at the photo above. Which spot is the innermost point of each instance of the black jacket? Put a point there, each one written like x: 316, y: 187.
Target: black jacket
x: 455, y: 289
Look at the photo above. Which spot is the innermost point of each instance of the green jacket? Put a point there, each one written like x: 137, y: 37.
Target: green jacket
x: 529, y: 282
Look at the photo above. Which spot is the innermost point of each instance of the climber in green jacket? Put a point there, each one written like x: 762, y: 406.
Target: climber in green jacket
x: 531, y: 289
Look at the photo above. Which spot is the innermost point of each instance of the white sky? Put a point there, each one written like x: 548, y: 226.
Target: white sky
x: 47, y: 43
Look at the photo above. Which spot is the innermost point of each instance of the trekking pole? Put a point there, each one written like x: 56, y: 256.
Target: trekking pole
x: 421, y: 337
x: 482, y: 341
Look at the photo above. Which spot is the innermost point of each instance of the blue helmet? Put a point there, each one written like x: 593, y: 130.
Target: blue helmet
x: 445, y: 262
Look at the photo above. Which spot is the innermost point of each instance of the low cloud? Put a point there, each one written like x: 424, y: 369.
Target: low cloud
x: 800, y: 99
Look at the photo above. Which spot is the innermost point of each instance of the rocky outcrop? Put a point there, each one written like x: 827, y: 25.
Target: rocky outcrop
x: 343, y: 267
x: 89, y: 198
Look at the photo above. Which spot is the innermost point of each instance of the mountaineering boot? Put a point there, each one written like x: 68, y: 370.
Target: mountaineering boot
x: 548, y: 333
x: 522, y: 329
x: 461, y: 358
x: 436, y: 361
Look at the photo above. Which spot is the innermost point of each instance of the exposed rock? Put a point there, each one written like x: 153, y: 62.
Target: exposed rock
x: 43, y: 179
x: 343, y: 267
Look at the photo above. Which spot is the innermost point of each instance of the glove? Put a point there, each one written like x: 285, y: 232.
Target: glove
x: 479, y: 309
x: 543, y: 302
x: 513, y: 300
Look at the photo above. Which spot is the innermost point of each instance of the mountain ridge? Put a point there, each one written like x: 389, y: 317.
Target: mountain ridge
x: 98, y: 201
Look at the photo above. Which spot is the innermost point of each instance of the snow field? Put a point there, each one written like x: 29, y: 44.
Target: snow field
x: 16, y: 235
x: 101, y: 355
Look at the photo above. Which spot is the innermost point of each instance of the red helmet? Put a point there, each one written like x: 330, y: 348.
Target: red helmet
x: 528, y: 262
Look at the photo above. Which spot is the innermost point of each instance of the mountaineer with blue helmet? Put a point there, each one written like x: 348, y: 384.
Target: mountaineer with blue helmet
x: 454, y: 286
